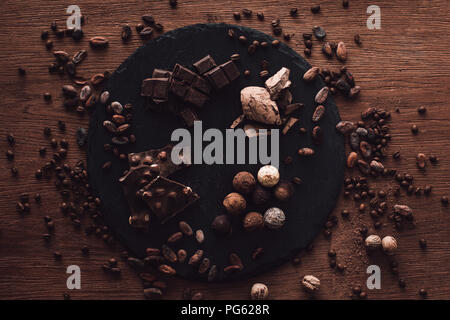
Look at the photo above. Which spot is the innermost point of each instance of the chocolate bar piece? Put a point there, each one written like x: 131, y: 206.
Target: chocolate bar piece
x: 184, y: 74
x: 195, y: 97
x: 161, y: 73
x: 178, y: 88
x: 205, y: 64
x: 202, y: 85
x: 231, y: 71
x: 158, y: 159
x: 189, y: 116
x: 217, y: 77
x: 156, y: 88
x: 132, y: 182
x: 166, y: 198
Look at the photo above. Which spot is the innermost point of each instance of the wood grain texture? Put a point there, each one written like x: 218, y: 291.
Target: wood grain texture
x: 404, y: 65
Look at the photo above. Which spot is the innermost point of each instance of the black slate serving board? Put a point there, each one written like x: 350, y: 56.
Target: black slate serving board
x: 322, y: 174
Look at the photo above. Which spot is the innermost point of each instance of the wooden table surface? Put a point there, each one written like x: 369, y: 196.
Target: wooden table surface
x: 404, y: 65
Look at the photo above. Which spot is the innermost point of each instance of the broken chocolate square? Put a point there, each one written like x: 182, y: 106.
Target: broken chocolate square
x: 202, y: 85
x: 159, y: 160
x: 205, y: 64
x: 161, y: 73
x: 166, y: 198
x: 178, y: 88
x: 155, y: 88
x: 231, y: 71
x: 182, y: 73
x: 195, y: 97
x: 217, y: 77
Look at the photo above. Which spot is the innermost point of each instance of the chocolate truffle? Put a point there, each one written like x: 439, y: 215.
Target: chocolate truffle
x: 283, y: 191
x: 221, y: 225
x: 268, y: 176
x: 234, y: 203
x: 274, y: 218
x: 260, y: 196
x: 244, y: 182
x: 253, y: 221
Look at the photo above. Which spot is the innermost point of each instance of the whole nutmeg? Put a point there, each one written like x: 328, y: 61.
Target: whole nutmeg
x: 274, y: 218
x: 253, y: 221
x: 244, y: 182
x: 234, y: 203
x: 268, y: 176
x: 311, y: 283
x: 259, y: 291
x: 389, y: 245
x: 221, y: 224
x: 283, y: 191
x: 260, y: 196
x: 373, y: 242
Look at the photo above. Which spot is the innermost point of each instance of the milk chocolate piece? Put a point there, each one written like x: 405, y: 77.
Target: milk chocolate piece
x: 195, y: 97
x: 161, y: 73
x: 231, y: 71
x: 189, y: 116
x: 217, y: 77
x: 166, y: 198
x: 159, y: 160
x: 205, y: 64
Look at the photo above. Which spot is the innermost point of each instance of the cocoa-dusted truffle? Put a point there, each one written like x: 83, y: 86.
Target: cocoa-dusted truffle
x: 253, y: 221
x: 221, y: 224
x: 234, y: 203
x: 283, y: 191
x: 268, y: 176
x: 260, y: 196
x: 244, y: 182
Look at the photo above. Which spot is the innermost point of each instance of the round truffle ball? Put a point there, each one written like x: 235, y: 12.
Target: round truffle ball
x: 283, y: 191
x: 221, y: 224
x: 389, y: 245
x: 259, y: 291
x: 253, y: 221
x: 260, y: 196
x: 268, y: 176
x: 373, y: 242
x: 234, y: 203
x: 274, y: 218
x: 244, y: 182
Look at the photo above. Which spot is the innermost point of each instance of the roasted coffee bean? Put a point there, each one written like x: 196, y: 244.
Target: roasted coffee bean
x: 237, y: 16
x: 81, y: 136
x: 444, y: 200
x: 49, y: 44
x: 126, y: 33
x: 421, y: 160
x: 315, y: 9
x: 308, y: 44
x: 173, y: 3
x: 247, y: 13
x: 423, y: 292
x: 98, y: 42
x: 260, y: 16
x: 276, y: 43
x: 148, y: 19
x: 293, y: 12
x: 414, y: 129
x: 319, y: 32
x: 10, y: 155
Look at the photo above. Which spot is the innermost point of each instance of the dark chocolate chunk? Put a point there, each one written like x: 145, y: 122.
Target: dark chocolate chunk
x: 202, y: 85
x: 155, y: 88
x: 160, y: 73
x: 182, y: 73
x: 231, y: 71
x: 166, y: 198
x: 159, y: 159
x: 196, y: 98
x: 217, y: 77
x: 178, y: 88
x: 205, y: 64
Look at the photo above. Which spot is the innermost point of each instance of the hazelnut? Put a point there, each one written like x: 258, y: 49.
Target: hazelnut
x: 253, y: 221
x: 283, y: 191
x: 311, y: 283
x: 389, y: 245
x: 259, y: 291
x: 244, y: 182
x: 221, y: 224
x: 234, y: 203
x: 373, y: 242
x: 268, y: 176
x: 260, y: 196
x: 274, y: 218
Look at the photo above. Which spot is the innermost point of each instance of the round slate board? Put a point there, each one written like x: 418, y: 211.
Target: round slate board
x: 322, y: 174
